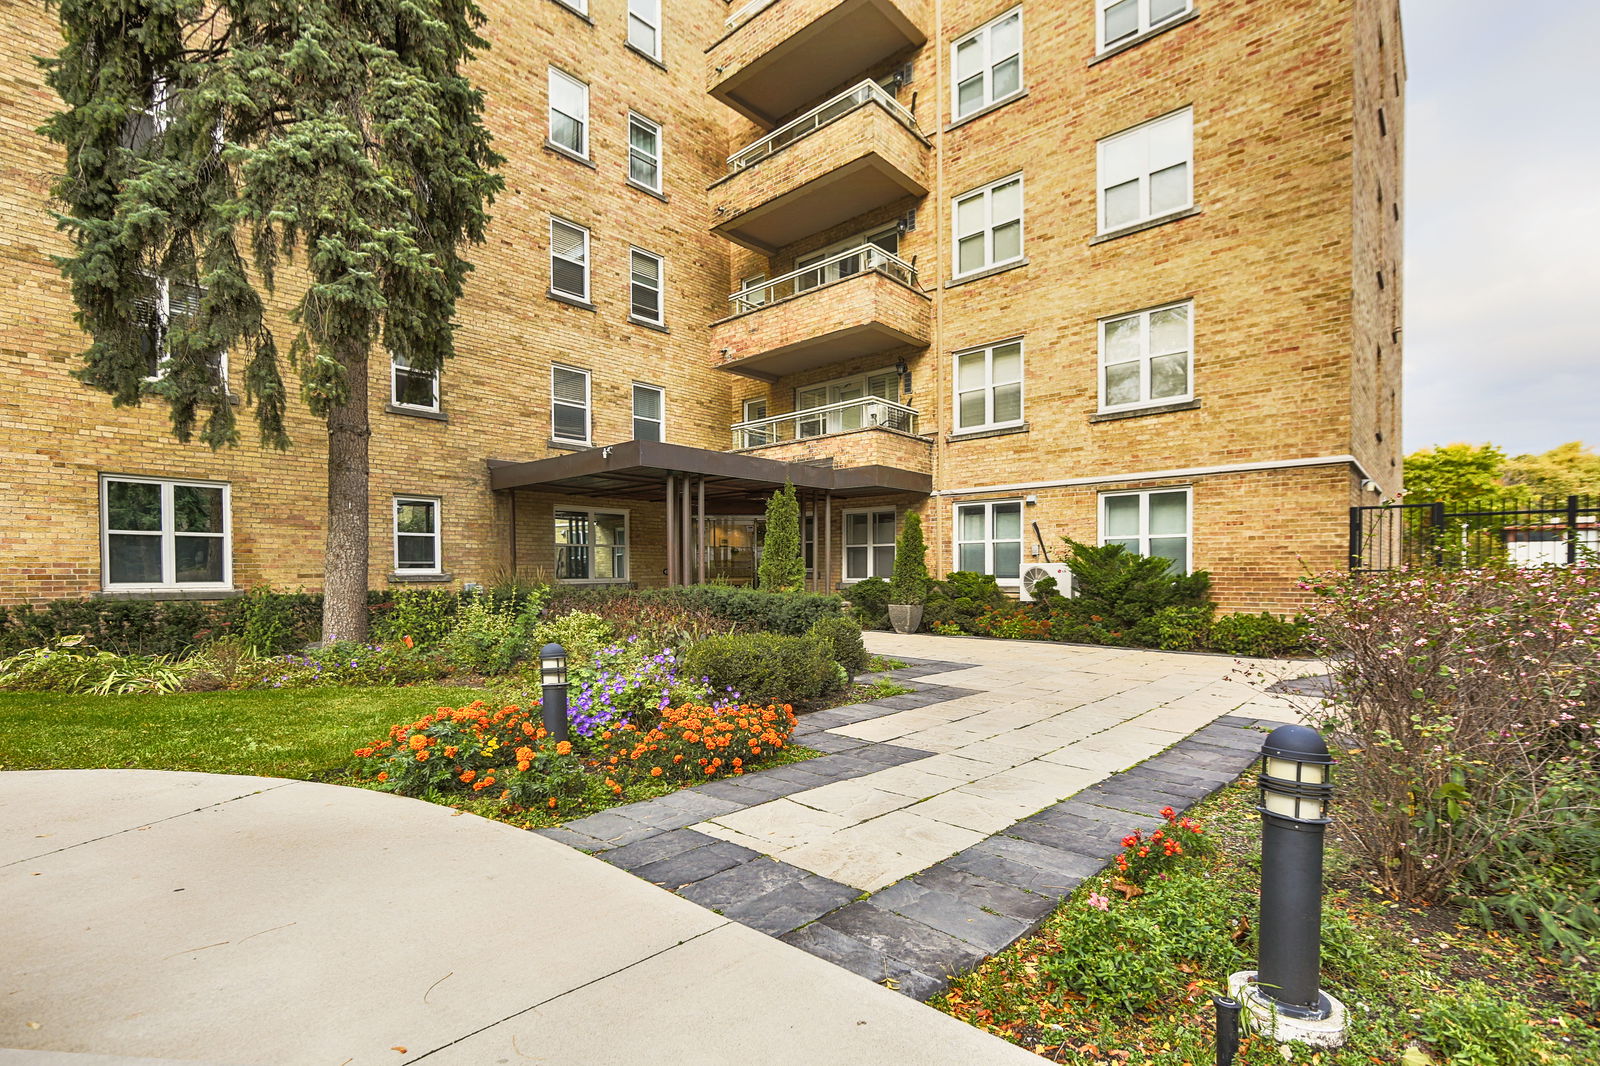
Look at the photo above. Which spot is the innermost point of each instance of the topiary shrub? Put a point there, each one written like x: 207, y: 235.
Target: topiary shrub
x: 783, y: 569
x: 843, y: 635
x: 869, y: 603
x: 1174, y: 628
x: 1260, y: 636
x: 961, y: 598
x: 1119, y: 589
x: 765, y: 666
x: 908, y: 582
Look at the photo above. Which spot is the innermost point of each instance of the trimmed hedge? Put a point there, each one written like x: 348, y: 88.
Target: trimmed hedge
x: 765, y: 666
x: 844, y: 638
x: 788, y: 613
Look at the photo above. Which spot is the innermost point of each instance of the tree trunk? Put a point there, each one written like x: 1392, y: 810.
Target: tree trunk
x: 344, y: 573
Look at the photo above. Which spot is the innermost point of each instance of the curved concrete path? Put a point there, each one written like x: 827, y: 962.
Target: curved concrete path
x: 181, y: 916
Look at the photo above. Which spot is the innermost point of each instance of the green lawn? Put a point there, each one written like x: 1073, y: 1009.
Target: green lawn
x: 300, y: 733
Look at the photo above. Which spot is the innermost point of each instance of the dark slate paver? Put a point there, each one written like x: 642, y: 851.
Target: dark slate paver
x: 740, y: 884
x: 654, y: 849
x: 921, y: 947
x: 696, y: 864
x: 613, y: 828
x: 863, y: 959
x: 950, y: 914
x: 1028, y: 907
x: 563, y: 834
x: 792, y: 906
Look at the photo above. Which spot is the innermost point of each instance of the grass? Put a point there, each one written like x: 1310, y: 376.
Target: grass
x: 879, y: 663
x: 1413, y: 977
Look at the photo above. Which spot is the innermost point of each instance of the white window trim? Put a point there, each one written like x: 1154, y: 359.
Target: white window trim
x: 834, y: 422
x: 661, y: 423
x: 580, y: 6
x: 988, y: 542
x: 987, y: 192
x: 588, y: 405
x: 660, y: 157
x: 871, y: 545
x: 627, y: 543
x: 1144, y: 27
x: 988, y: 387
x: 1144, y: 358
x: 437, y: 536
x: 1144, y: 519
x: 634, y: 12
x: 163, y: 286
x: 550, y: 113
x: 989, y: 99
x: 167, y: 534
x: 587, y: 258
x: 395, y: 367
x: 1144, y: 179
x: 661, y: 287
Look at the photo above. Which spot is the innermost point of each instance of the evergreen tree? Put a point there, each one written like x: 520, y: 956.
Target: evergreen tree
x: 908, y: 582
x: 783, y: 568
x: 209, y: 141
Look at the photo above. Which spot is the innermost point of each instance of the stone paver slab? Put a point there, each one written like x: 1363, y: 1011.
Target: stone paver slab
x: 784, y: 823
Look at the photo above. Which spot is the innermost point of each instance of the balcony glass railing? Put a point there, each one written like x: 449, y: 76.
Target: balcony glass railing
x: 868, y: 92
x: 863, y: 412
x: 845, y: 264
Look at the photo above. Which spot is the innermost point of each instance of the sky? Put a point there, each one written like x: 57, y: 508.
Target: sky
x: 1502, y: 223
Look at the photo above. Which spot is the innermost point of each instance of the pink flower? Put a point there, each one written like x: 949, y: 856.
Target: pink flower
x: 1099, y: 902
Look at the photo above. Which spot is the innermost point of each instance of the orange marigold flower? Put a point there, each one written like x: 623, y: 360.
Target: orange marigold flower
x: 677, y: 758
x: 467, y: 776
x: 755, y: 749
x: 422, y: 756
x: 527, y: 727
x: 524, y: 754
x: 417, y: 742
x: 552, y: 803
x: 384, y: 776
x: 523, y: 764
x: 655, y: 771
x: 564, y: 747
x: 450, y: 752
x: 505, y: 795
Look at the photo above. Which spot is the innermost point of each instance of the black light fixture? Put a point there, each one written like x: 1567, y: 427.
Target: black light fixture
x: 553, y: 675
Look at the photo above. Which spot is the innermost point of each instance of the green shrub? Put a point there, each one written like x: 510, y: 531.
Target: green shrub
x: 580, y: 634
x: 344, y: 663
x: 490, y: 639
x: 765, y: 666
x: 782, y: 569
x: 908, y: 581
x: 961, y: 597
x: 424, y: 615
x: 72, y: 666
x: 843, y: 636
x: 1174, y: 628
x: 1261, y: 636
x: 790, y: 613
x: 869, y: 603
x: 1119, y: 589
x: 1479, y: 1026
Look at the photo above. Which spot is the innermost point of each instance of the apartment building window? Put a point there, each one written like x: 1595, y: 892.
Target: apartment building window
x: 808, y: 543
x: 591, y: 545
x: 569, y: 405
x: 1145, y: 357
x: 569, y: 113
x: 165, y: 304
x: 1153, y: 523
x: 416, y: 535
x: 868, y: 544
x: 813, y: 400
x: 987, y: 64
x: 647, y: 272
x: 580, y: 6
x: 410, y: 388
x: 569, y: 260
x: 644, y: 26
x: 989, y: 387
x: 751, y: 295
x: 753, y: 411
x: 988, y: 226
x: 649, y: 412
x: 644, y: 152
x: 1122, y: 20
x: 989, y: 538
x: 150, y: 120
x: 1146, y: 172
x: 163, y: 534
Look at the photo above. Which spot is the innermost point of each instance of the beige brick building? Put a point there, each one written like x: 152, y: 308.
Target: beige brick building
x: 1119, y: 269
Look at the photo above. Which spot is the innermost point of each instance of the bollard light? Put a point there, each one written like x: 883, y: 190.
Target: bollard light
x: 553, y: 707
x: 553, y: 664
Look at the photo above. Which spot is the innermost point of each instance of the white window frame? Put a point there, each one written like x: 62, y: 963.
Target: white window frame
x: 163, y: 309
x: 437, y: 536
x: 587, y: 406
x: 661, y: 287
x: 984, y: 33
x: 987, y: 193
x: 168, y: 534
x: 642, y: 12
x: 1144, y: 535
x: 656, y: 160
x: 1143, y: 129
x: 591, y: 512
x: 988, y: 387
x: 556, y: 73
x: 989, y: 540
x: 397, y: 363
x: 580, y: 6
x: 871, y: 545
x: 583, y: 263
x: 846, y: 420
x: 1144, y: 26
x: 661, y: 423
x: 1145, y: 356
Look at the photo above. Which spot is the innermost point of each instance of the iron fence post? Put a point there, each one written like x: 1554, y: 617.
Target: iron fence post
x: 1572, y: 530
x: 1355, y: 538
x: 1436, y: 520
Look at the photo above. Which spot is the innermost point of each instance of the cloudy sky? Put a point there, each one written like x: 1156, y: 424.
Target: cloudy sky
x: 1503, y: 227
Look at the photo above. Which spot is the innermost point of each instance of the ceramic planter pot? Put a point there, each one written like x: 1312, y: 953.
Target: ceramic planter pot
x: 905, y: 617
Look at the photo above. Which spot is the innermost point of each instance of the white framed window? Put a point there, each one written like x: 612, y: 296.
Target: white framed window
x: 410, y: 388
x: 591, y: 545
x: 1147, y: 171
x: 868, y: 544
x: 569, y: 404
x: 1146, y: 357
x: 753, y: 410
x: 163, y: 304
x: 886, y: 238
x: 644, y: 152
x: 988, y: 538
x: 644, y: 26
x: 647, y: 276
x: 988, y: 65
x: 416, y: 535
x: 989, y: 386
x: 569, y: 259
x: 988, y: 226
x: 752, y: 297
x: 580, y: 6
x: 884, y: 384
x: 1151, y: 522
x: 808, y: 543
x: 569, y: 113
x: 1122, y: 20
x: 157, y: 533
x: 649, y: 412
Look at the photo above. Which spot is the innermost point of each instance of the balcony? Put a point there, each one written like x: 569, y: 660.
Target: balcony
x: 855, y: 153
x: 778, y: 54
x: 867, y: 431
x: 859, y: 302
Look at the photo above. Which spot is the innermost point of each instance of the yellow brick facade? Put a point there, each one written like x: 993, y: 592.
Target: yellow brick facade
x: 1298, y: 121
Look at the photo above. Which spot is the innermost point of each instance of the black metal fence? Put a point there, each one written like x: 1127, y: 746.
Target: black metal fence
x: 1552, y: 530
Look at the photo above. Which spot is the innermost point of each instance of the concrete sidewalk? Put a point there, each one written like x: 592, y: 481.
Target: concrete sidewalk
x: 253, y: 920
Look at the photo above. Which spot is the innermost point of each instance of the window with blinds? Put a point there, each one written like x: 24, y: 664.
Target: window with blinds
x: 569, y: 113
x: 569, y: 404
x: 645, y: 290
x: 644, y: 152
x: 649, y: 412
x: 569, y: 259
